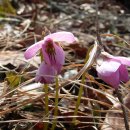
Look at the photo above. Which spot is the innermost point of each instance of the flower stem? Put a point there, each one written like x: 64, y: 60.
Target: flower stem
x: 56, y: 105
x: 80, y: 92
x: 46, y: 104
x: 119, y: 95
x: 79, y: 99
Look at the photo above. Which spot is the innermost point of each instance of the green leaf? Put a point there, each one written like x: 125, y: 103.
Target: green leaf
x: 6, y: 7
x: 90, y: 58
x: 13, y: 78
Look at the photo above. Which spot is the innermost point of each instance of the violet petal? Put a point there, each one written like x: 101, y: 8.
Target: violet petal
x: 55, y: 57
x: 45, y: 73
x: 108, y: 67
x: 32, y: 50
x: 123, y: 60
x: 62, y: 36
x: 112, y: 79
x: 109, y: 72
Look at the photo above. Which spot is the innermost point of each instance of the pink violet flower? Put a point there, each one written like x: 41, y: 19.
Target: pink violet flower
x: 113, y: 69
x: 53, y: 54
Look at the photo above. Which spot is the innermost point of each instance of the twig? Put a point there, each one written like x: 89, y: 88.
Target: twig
x: 97, y: 24
x: 123, y: 109
x: 86, y: 66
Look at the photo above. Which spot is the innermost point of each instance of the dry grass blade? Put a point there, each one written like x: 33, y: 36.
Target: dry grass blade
x: 94, y: 53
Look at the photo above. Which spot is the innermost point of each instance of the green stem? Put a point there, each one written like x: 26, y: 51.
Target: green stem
x: 41, y: 55
x: 80, y: 92
x: 46, y: 96
x: 56, y: 104
x: 79, y: 99
x: 46, y: 104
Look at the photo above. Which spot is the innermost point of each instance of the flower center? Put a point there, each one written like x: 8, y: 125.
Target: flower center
x: 50, y: 50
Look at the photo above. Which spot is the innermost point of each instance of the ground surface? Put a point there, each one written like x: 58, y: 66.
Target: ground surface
x: 28, y: 22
